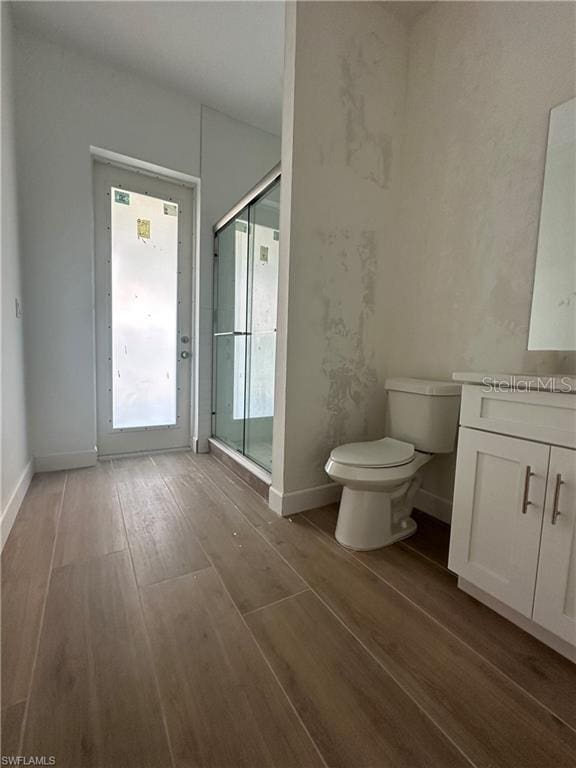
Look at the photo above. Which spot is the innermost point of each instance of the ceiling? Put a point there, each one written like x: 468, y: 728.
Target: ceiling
x: 228, y: 55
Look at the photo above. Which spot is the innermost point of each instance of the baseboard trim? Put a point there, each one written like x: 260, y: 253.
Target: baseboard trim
x: 139, y: 454
x: 15, y: 502
x: 299, y: 501
x: 435, y: 506
x: 200, y: 445
x: 310, y: 498
x: 57, y: 461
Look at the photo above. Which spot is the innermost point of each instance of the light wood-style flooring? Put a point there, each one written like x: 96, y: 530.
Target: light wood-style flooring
x: 156, y: 614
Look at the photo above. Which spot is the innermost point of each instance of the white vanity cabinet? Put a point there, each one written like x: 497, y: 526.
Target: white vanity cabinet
x: 513, y: 538
x: 555, y: 600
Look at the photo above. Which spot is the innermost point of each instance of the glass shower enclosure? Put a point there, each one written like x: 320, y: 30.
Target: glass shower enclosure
x: 246, y: 250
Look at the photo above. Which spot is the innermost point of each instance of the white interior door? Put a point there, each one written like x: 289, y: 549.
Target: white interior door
x: 143, y: 249
x: 555, y: 603
x: 497, y: 518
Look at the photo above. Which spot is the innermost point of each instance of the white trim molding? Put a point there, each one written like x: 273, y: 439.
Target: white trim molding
x: 53, y: 462
x: 200, y: 444
x: 435, y: 506
x: 15, y: 502
x: 299, y: 501
x: 310, y: 498
x: 135, y: 164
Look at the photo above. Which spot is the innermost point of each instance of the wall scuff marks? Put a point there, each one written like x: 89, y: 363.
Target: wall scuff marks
x: 415, y: 183
x: 349, y: 97
x: 349, y: 274
x: 368, y: 149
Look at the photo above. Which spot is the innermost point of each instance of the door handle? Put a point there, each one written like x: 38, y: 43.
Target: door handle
x: 526, y: 501
x: 555, y: 511
x: 184, y: 354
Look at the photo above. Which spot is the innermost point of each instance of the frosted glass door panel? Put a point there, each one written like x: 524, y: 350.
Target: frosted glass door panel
x: 264, y: 252
x: 144, y: 298
x: 143, y: 241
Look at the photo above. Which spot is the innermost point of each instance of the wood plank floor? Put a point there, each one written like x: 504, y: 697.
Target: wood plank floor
x: 156, y: 614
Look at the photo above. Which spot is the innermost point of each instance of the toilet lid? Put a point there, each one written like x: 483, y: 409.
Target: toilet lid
x: 376, y: 453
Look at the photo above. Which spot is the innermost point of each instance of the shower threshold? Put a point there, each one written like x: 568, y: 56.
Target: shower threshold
x: 252, y: 474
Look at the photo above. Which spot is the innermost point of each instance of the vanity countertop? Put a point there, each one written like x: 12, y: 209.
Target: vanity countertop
x: 523, y: 382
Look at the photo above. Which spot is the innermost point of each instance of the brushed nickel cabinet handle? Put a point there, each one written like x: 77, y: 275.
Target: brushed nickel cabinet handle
x: 555, y: 511
x: 526, y: 502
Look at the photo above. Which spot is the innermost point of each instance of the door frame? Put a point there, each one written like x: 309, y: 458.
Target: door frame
x: 192, y: 183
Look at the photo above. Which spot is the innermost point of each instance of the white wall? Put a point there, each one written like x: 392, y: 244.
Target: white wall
x: 416, y: 176
x: 348, y: 63
x: 482, y: 80
x: 15, y: 455
x: 67, y: 103
x: 235, y: 156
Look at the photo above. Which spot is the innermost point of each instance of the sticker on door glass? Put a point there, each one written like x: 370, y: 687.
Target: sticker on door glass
x: 143, y: 228
x: 121, y: 197
x: 264, y: 254
x: 170, y: 209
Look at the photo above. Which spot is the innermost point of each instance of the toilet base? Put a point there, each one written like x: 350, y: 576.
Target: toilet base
x: 373, y: 519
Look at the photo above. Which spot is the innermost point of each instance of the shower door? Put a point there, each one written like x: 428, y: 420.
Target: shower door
x: 244, y: 336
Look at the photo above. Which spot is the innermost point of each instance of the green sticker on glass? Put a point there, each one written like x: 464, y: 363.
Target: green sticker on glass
x: 170, y: 209
x: 121, y: 197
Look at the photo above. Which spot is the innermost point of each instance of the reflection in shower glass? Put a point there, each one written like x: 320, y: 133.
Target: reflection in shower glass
x: 144, y: 247
x: 264, y: 251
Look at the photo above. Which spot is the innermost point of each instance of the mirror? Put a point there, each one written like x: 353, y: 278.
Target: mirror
x: 553, y: 316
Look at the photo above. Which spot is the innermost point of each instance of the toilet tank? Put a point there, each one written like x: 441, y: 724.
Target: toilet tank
x: 424, y: 413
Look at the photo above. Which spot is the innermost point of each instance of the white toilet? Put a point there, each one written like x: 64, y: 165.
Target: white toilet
x: 381, y: 477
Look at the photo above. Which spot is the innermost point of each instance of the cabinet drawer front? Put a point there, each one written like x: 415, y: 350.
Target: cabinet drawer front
x: 555, y: 602
x: 497, y: 515
x: 544, y: 416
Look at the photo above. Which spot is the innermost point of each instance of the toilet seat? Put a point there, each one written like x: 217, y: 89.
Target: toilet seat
x: 377, y: 454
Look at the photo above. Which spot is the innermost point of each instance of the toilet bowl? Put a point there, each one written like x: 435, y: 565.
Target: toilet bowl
x: 381, y: 478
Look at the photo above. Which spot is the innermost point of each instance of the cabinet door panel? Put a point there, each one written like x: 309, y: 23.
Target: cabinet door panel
x: 555, y: 603
x: 495, y: 536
